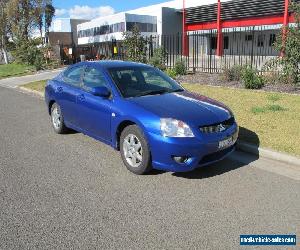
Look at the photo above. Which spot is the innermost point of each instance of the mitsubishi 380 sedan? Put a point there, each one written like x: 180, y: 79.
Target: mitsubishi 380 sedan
x: 140, y: 111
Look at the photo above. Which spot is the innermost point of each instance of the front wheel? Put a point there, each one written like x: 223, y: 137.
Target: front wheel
x: 57, y: 119
x: 135, y: 151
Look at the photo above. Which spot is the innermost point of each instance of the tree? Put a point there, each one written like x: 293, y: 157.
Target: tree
x: 39, y: 14
x: 288, y: 43
x: 135, y: 45
x: 3, y: 29
x: 49, y: 14
x: 21, y: 18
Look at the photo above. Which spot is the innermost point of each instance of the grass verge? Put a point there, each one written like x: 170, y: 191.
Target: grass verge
x: 274, y: 118
x: 13, y: 69
x: 275, y: 121
x: 36, y: 86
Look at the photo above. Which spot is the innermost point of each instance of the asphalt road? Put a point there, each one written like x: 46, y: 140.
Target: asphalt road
x: 72, y: 192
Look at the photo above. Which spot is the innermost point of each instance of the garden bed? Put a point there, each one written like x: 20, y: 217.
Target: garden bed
x: 217, y: 80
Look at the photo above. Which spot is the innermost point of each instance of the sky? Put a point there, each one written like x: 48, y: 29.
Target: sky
x: 88, y: 9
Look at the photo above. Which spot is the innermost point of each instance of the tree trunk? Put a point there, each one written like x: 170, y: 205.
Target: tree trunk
x: 5, y: 56
x: 41, y: 33
x: 4, y: 50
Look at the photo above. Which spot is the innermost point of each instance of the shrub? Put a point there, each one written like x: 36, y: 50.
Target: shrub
x: 159, y: 58
x: 251, y: 79
x: 272, y: 77
x: 180, y: 68
x: 288, y: 41
x: 232, y: 74
x: 171, y: 73
x: 28, y: 52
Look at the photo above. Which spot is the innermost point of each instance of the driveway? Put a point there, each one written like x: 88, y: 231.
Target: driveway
x: 14, y: 82
x: 72, y: 192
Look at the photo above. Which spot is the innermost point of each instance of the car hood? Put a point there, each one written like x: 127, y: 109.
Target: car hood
x: 188, y: 107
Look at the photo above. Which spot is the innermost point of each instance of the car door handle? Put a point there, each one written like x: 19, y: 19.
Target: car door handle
x: 80, y: 98
x: 59, y: 89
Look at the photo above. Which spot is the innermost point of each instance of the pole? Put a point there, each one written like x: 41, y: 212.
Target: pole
x: 219, y: 28
x: 285, y: 24
x: 184, y: 31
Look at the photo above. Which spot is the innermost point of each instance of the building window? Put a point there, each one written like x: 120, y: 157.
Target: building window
x: 272, y: 40
x: 143, y: 27
x: 248, y: 38
x: 260, y: 41
x: 129, y: 26
x: 226, y: 42
x: 102, y: 30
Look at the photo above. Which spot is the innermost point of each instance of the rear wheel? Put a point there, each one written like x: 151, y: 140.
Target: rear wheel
x: 57, y: 119
x: 135, y: 151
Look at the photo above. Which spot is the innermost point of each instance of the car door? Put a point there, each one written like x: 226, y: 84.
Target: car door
x: 94, y: 111
x: 72, y: 79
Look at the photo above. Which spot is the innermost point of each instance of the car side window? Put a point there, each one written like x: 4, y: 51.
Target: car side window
x: 73, y: 76
x: 93, y: 78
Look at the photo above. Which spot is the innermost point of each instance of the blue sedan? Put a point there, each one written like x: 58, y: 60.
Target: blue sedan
x: 137, y: 109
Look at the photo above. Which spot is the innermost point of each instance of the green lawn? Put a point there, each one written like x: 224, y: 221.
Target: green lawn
x: 13, y: 69
x: 271, y: 118
x: 36, y: 86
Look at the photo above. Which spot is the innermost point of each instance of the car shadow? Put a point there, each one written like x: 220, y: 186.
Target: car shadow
x: 71, y: 132
x: 229, y: 164
x: 246, y: 135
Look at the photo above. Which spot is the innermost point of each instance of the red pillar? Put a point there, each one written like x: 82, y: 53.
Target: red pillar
x: 219, y: 28
x: 185, y: 42
x: 285, y: 23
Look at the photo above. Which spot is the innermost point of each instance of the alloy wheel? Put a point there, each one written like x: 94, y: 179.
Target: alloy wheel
x: 133, y: 150
x: 56, y: 118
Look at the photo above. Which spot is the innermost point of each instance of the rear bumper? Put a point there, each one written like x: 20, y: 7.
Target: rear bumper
x: 199, y: 152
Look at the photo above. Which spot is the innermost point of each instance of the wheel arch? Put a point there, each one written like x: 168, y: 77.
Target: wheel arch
x: 51, y: 102
x: 122, y: 125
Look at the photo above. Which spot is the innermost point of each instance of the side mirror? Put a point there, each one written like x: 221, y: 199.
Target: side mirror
x: 100, y: 91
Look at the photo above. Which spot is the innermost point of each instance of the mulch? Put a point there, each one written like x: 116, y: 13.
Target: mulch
x: 216, y: 80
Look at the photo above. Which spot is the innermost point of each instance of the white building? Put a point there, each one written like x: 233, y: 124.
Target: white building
x: 106, y: 28
x: 158, y: 19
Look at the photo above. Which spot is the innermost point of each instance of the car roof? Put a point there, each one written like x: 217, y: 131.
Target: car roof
x: 114, y: 64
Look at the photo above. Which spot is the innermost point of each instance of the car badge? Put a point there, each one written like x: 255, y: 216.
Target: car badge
x: 222, y: 128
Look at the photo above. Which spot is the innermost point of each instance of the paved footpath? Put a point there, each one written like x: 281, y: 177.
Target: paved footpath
x: 14, y: 82
x: 72, y: 192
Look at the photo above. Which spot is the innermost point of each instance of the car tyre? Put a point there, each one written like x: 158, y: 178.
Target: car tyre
x: 57, y: 119
x: 135, y: 151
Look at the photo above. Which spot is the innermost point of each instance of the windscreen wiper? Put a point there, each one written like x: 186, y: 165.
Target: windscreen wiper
x: 154, y: 92
x: 177, y: 90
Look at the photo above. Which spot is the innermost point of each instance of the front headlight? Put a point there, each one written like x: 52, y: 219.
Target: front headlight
x: 174, y: 128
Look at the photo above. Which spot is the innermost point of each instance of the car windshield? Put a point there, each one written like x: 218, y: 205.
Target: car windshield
x: 143, y: 81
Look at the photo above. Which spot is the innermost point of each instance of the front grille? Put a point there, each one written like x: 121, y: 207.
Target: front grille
x: 218, y: 127
x: 215, y: 156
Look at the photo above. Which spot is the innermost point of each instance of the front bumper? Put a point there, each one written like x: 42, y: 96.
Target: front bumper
x: 201, y: 151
